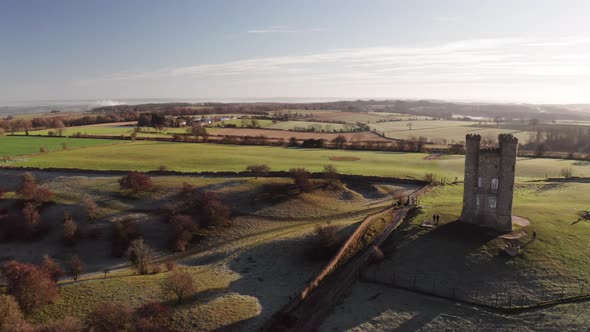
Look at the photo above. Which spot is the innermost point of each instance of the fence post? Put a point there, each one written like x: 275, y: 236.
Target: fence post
x: 509, y: 301
x: 522, y: 300
x: 476, y: 294
x: 543, y: 296
x: 562, y: 292
x: 582, y: 290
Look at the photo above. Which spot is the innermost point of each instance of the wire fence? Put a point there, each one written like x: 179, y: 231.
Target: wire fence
x: 498, y: 296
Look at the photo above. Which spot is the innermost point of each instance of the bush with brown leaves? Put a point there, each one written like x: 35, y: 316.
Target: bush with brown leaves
x: 111, y: 316
x: 30, y: 285
x: 136, y: 183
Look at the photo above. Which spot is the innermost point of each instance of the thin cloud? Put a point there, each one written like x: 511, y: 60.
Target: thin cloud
x: 464, y: 64
x: 282, y: 29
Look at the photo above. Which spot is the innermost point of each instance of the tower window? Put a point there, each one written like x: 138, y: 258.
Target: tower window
x: 493, y: 202
x: 495, y: 184
x: 480, y: 182
x: 477, y: 200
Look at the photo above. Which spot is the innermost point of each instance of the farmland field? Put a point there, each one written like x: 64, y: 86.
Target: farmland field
x: 350, y: 117
x: 438, y: 130
x: 188, y: 157
x: 111, y: 129
x: 284, y: 134
x: 319, y: 126
x: 19, y: 145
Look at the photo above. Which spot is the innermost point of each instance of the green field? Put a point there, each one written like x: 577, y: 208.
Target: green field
x: 215, y: 157
x: 319, y: 126
x: 114, y: 130
x: 438, y: 130
x: 244, y: 123
x: 19, y: 145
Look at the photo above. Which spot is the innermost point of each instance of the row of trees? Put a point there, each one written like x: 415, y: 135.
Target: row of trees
x: 559, y: 139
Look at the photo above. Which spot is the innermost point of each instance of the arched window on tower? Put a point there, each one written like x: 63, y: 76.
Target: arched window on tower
x: 477, y: 200
x: 495, y: 184
x: 480, y: 182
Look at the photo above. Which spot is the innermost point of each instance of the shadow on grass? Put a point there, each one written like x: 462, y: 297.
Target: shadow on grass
x: 452, y: 253
x: 273, y: 273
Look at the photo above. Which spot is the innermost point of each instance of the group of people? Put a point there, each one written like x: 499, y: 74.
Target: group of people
x: 435, y: 219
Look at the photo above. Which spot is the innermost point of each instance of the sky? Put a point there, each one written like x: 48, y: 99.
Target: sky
x: 472, y: 50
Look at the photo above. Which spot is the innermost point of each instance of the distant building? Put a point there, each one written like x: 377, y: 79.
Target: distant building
x: 489, y: 182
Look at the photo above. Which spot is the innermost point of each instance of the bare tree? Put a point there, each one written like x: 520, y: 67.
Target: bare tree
x: 410, y: 125
x: 258, y: 170
x: 180, y: 283
x: 91, y: 208
x: 75, y: 267
x: 141, y: 255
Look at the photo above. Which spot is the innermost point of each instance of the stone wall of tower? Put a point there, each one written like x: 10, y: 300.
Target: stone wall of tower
x: 489, y: 183
x: 472, y: 146
x: 487, y: 171
x: 508, y: 152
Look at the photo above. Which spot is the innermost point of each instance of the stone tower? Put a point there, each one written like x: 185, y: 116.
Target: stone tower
x: 489, y: 182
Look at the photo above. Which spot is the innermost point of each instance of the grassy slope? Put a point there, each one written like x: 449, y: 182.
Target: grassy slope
x: 559, y: 257
x: 215, y: 157
x: 14, y: 146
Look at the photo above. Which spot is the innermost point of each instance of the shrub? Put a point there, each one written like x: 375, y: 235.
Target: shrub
x: 156, y: 269
x: 170, y: 266
x: 179, y: 284
x: 274, y: 191
x: 141, y: 255
x: 66, y: 324
x: 10, y: 313
x: 91, y: 208
x: 163, y: 168
x: 123, y: 233
x: 111, y: 316
x: 31, y: 192
x: 324, y: 242
x: 211, y: 210
x: 431, y: 178
x: 182, y: 228
x: 332, y: 179
x: 51, y: 268
x: 301, y: 179
x: 258, y: 170
x: 30, y: 286
x: 70, y: 230
x: 153, y: 316
x: 75, y: 267
x: 187, y: 191
x: 567, y: 173
x: 42, y: 149
x: 136, y: 183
